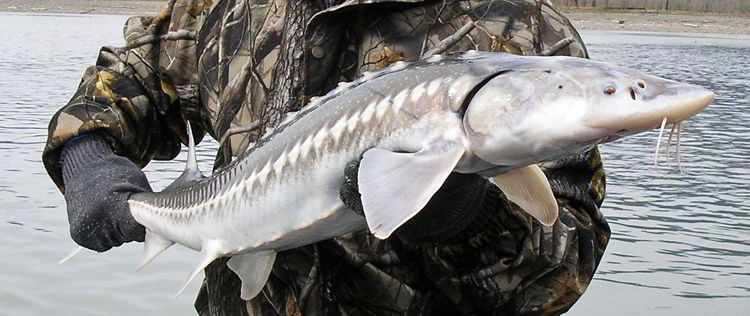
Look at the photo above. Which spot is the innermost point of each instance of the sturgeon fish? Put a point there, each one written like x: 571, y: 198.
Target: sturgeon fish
x: 412, y: 124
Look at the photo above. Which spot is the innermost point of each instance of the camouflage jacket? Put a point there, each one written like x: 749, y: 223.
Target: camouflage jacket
x: 234, y: 67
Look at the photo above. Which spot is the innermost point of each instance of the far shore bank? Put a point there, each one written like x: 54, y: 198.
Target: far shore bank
x: 583, y: 19
x: 115, y: 7
x: 658, y: 21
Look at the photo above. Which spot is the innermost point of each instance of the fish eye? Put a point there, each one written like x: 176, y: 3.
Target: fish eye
x: 610, y: 90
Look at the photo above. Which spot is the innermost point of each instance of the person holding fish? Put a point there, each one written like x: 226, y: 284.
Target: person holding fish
x: 234, y: 68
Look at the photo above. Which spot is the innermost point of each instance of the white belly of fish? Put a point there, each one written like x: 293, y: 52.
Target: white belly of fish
x: 289, y: 212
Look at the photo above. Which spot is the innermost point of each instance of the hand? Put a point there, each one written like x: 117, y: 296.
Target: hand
x: 97, y: 186
x: 459, y: 209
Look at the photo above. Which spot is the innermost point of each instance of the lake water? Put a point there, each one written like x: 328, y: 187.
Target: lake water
x: 680, y: 241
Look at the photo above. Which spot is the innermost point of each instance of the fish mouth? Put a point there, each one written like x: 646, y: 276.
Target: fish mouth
x: 674, y: 108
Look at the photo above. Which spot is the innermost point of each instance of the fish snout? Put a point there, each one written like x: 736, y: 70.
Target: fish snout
x: 646, y: 102
x: 677, y: 102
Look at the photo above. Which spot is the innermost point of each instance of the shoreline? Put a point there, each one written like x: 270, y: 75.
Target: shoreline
x: 111, y: 7
x: 583, y: 19
x: 659, y: 21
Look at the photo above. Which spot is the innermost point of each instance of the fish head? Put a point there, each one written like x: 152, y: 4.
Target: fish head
x: 548, y: 107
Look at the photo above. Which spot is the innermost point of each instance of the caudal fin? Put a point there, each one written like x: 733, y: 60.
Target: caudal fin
x: 72, y: 254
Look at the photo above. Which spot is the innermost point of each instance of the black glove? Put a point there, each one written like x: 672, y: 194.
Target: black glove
x: 460, y: 209
x: 97, y: 186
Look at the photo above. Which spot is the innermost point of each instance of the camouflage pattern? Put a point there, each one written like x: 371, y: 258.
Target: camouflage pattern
x: 229, y: 64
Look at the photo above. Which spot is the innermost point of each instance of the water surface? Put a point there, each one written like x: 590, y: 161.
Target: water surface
x: 679, y: 244
x: 680, y: 241
x: 42, y: 58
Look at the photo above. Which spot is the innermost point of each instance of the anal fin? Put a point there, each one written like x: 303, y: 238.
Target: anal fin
x: 153, y: 246
x: 529, y: 188
x: 253, y: 269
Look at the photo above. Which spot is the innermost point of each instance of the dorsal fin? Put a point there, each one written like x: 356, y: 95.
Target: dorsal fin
x: 192, y: 159
x: 191, y: 174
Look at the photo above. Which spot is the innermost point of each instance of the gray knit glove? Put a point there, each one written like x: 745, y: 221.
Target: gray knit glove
x: 460, y: 209
x: 97, y: 186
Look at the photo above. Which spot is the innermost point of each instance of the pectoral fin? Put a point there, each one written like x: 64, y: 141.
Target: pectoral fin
x: 529, y: 188
x: 396, y: 186
x: 253, y: 269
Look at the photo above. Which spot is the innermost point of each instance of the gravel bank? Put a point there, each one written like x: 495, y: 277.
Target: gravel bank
x: 662, y: 21
x: 583, y: 19
x: 119, y: 7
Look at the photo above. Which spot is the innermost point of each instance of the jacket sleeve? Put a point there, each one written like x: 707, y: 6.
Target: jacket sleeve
x: 130, y: 94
